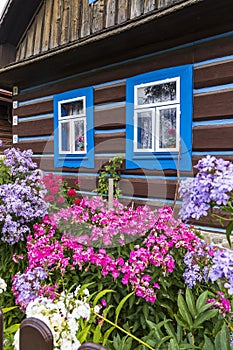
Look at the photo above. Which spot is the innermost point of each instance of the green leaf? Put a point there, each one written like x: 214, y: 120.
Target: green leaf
x: 208, y: 345
x: 107, y: 334
x: 97, y: 335
x: 163, y: 340
x: 184, y: 312
x: 190, y: 302
x: 229, y: 229
x: 204, y: 317
x: 201, y: 301
x: 82, y: 335
x: 101, y: 294
x: 121, y: 304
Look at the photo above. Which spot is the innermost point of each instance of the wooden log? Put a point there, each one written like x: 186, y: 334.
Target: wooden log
x: 97, y: 16
x: 213, y: 105
x: 35, y: 128
x: 113, y: 93
x: 213, y: 138
x: 219, y: 73
x: 86, y: 19
x: 42, y: 107
x: 110, y: 118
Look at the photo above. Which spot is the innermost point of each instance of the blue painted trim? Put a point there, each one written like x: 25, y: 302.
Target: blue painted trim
x: 153, y: 177
x: 154, y: 54
x: 214, y: 122
x: 213, y: 88
x: 214, y: 153
x: 33, y: 138
x: 35, y: 155
x: 110, y: 105
x: 66, y: 173
x: 159, y: 200
x: 110, y: 155
x: 161, y: 161
x: 207, y: 228
x: 113, y: 131
x: 214, y: 60
x: 45, y: 98
x: 109, y: 83
x: 76, y: 160
x: 92, y: 1
x: 35, y: 117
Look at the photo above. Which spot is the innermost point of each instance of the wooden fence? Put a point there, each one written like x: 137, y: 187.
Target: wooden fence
x: 35, y: 334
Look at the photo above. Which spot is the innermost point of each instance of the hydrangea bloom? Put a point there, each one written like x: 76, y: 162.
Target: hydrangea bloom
x: 211, y: 186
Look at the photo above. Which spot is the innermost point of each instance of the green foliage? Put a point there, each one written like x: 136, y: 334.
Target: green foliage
x: 110, y: 170
x: 5, y: 175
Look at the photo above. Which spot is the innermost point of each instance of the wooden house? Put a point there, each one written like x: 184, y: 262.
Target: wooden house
x: 149, y: 79
x: 5, y: 120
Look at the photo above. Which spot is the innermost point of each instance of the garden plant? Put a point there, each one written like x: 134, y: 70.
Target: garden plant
x: 125, y: 277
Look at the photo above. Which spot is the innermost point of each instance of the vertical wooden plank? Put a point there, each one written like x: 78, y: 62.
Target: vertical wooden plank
x: 150, y: 5
x: 30, y: 40
x: 75, y: 19
x: 122, y: 15
x: 136, y: 8
x: 86, y: 19
x: 97, y: 16
x: 110, y: 13
x: 23, y: 48
x: 55, y: 24
x: 164, y: 3
x: 38, y: 30
x: 47, y: 25
x: 65, y: 31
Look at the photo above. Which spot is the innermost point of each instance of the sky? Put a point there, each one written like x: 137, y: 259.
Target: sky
x: 2, y: 5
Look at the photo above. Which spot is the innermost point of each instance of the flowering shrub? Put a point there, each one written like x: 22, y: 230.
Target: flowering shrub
x: 21, y: 197
x: 58, y: 192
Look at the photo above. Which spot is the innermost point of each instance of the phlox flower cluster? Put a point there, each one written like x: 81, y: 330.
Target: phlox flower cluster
x: 58, y: 192
x: 221, y: 303
x: 19, y: 162
x: 154, y: 256
x: 62, y: 316
x: 211, y: 186
x: 21, y: 200
x: 94, y: 224
x: 26, y: 286
x: 211, y: 265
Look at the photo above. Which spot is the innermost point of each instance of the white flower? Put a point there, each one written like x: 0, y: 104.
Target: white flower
x: 16, y: 340
x: 3, y: 285
x: 62, y: 317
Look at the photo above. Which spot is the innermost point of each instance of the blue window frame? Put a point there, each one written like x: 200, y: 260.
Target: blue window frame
x: 92, y: 1
x: 74, y: 129
x: 159, y: 119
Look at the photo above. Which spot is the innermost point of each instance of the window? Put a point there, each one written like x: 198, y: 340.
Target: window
x: 159, y: 119
x: 73, y: 122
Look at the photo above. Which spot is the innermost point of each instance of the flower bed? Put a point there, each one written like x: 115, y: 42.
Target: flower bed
x: 145, y: 279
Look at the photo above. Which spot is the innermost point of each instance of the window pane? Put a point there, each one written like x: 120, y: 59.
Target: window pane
x: 65, y: 137
x: 79, y: 135
x: 157, y: 93
x: 144, y: 130
x: 72, y: 108
x: 167, y: 128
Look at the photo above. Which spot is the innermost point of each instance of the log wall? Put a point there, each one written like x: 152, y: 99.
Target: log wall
x: 212, y: 117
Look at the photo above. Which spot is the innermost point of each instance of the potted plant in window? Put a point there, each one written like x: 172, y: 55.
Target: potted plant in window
x: 80, y: 143
x: 171, y: 142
